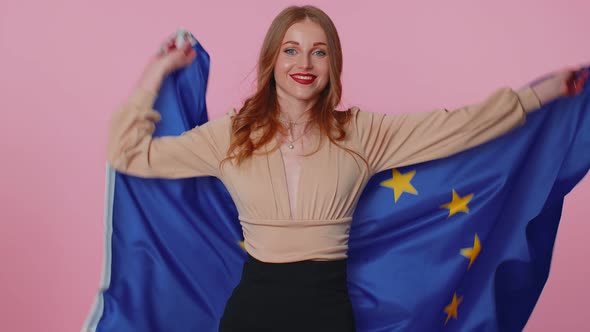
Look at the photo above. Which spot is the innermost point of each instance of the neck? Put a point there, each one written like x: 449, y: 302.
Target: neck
x: 294, y: 110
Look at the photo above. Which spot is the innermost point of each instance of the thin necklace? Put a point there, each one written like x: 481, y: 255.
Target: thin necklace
x: 291, y: 124
x: 291, y: 141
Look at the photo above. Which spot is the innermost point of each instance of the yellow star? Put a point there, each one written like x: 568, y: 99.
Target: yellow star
x: 241, y: 243
x: 458, y: 204
x: 451, y: 309
x: 472, y: 253
x: 400, y: 183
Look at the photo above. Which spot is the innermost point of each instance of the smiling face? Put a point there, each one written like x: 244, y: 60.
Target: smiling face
x: 302, y: 68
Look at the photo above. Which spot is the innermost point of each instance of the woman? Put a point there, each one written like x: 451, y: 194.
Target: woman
x: 295, y: 221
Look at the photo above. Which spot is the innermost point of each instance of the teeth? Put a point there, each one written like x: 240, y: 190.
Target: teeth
x: 309, y: 78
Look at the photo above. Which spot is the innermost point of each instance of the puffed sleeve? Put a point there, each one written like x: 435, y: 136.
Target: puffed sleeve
x: 131, y: 149
x: 390, y: 141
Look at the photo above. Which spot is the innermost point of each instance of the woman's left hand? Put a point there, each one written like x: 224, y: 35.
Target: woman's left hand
x: 568, y: 82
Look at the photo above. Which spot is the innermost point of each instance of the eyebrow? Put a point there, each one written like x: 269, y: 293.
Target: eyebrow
x: 296, y: 43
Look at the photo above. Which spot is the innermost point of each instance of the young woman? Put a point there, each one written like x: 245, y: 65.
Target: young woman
x: 295, y: 166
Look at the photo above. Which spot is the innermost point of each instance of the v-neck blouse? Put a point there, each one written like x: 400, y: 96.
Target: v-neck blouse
x: 331, y: 180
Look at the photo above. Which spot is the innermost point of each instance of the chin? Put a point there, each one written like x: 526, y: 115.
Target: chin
x: 306, y: 95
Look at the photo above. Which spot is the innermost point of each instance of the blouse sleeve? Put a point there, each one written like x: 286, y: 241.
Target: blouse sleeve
x: 131, y: 149
x: 390, y: 141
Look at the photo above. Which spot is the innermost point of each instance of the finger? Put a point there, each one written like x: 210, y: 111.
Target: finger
x: 570, y: 82
x: 166, y: 45
x: 576, y: 81
x: 146, y: 127
x: 147, y: 115
x: 188, y: 51
x: 169, y: 47
x: 190, y: 57
x: 581, y: 80
x: 171, y: 39
x: 151, y: 115
x: 584, y: 74
x: 138, y: 134
x: 186, y: 44
x: 150, y: 128
x: 127, y: 115
x: 133, y: 152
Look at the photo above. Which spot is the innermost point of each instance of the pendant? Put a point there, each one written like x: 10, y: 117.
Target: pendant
x: 290, y: 146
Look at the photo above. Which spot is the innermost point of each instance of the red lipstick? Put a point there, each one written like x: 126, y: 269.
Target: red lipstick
x: 304, y: 79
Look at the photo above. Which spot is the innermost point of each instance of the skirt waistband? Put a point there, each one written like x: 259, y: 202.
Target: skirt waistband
x: 322, y: 274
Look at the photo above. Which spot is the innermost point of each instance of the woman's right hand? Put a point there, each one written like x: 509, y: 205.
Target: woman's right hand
x: 168, y: 60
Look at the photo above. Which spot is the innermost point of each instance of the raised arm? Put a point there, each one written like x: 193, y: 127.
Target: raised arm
x: 131, y: 148
x: 390, y: 141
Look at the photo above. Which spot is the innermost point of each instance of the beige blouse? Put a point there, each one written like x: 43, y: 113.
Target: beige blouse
x: 331, y: 180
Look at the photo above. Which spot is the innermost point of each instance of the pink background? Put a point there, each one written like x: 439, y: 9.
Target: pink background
x: 65, y: 65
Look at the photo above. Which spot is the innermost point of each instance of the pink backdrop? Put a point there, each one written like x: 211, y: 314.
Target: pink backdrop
x: 65, y: 65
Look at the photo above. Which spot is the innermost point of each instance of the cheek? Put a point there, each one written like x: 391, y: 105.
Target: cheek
x: 322, y: 67
x: 282, y: 65
x: 324, y: 71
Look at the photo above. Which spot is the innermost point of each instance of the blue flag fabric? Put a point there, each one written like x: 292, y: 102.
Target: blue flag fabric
x: 461, y: 244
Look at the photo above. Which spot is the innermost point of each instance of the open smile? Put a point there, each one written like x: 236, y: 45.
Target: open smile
x: 304, y: 79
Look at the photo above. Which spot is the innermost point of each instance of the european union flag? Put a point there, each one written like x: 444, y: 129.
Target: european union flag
x: 458, y: 244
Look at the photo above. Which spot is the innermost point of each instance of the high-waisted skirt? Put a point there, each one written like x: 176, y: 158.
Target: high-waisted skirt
x: 301, y: 296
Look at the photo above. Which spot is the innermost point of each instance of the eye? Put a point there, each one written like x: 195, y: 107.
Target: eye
x: 289, y: 51
x: 320, y: 53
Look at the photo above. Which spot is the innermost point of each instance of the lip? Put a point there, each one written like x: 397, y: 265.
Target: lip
x: 303, y: 81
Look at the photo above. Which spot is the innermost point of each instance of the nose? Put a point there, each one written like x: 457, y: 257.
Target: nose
x: 305, y: 62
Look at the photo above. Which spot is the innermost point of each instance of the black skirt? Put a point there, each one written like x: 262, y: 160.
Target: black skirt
x: 302, y: 296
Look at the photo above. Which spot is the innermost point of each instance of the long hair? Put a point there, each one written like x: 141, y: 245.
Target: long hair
x: 260, y: 112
